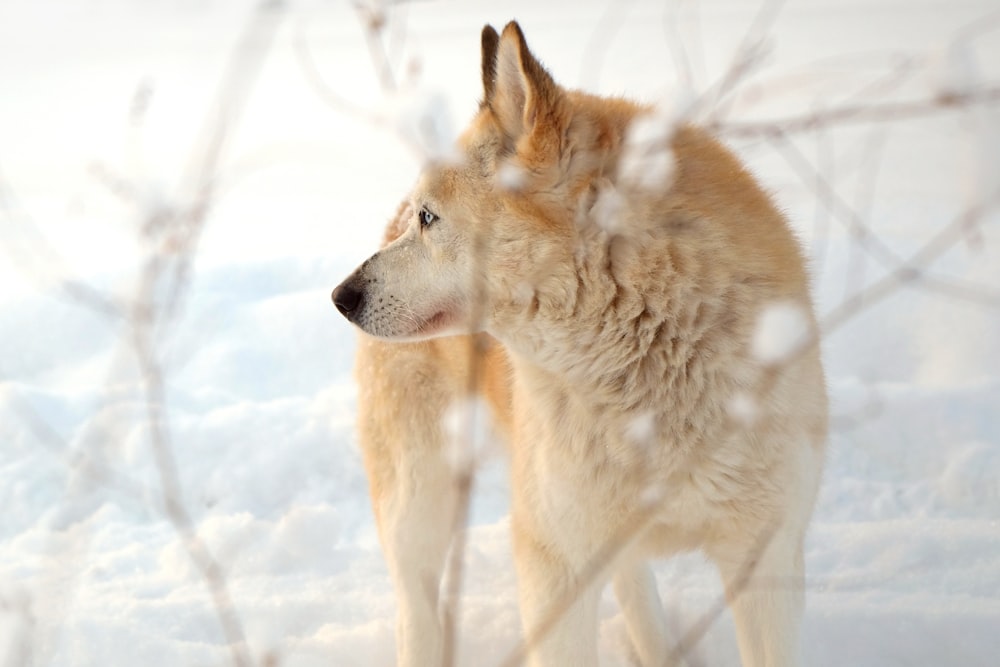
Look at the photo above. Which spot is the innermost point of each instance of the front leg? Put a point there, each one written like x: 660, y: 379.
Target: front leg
x: 558, y: 609
x: 764, y: 580
x: 416, y: 531
x: 412, y: 485
x: 635, y: 588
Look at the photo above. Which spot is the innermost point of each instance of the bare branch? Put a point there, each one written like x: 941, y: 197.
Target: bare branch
x: 854, y: 114
x: 373, y: 22
x: 173, y: 495
x: 748, y: 56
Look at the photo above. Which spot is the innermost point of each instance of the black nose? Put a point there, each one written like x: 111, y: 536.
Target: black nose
x: 347, y: 298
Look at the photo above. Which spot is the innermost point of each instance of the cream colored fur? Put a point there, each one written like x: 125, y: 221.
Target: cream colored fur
x: 626, y: 314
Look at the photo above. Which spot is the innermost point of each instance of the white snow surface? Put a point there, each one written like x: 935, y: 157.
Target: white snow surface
x: 104, y: 104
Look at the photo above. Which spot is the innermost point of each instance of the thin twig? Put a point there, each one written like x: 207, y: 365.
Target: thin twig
x: 596, y: 50
x: 749, y: 54
x: 734, y: 589
x: 593, y: 571
x: 173, y: 495
x: 329, y: 94
x: 170, y: 264
x: 373, y: 21
x: 854, y: 114
x: 466, y: 473
x: 864, y: 237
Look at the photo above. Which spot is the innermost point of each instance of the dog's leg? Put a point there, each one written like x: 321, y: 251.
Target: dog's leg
x: 416, y: 533
x: 400, y: 405
x: 765, y: 587
x: 635, y: 588
x: 558, y: 612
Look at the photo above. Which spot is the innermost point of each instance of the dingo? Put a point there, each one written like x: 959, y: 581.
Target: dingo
x: 644, y: 414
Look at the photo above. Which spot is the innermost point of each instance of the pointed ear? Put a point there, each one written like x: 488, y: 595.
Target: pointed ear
x: 490, y: 40
x: 524, y: 93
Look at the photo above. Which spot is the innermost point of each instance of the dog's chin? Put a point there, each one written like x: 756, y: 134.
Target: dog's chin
x: 440, y: 324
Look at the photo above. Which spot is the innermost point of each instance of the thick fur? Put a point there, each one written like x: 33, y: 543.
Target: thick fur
x: 626, y: 336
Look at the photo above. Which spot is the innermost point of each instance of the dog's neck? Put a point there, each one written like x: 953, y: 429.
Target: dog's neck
x: 626, y: 316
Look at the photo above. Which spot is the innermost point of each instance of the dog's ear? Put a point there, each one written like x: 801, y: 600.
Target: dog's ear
x: 523, y: 93
x: 490, y: 40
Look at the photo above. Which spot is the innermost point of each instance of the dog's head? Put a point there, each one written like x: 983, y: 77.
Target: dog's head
x: 484, y: 232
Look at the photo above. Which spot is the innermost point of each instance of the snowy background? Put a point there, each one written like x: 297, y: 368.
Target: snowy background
x: 115, y: 114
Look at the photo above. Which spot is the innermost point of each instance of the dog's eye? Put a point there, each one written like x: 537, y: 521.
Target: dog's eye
x: 427, y: 218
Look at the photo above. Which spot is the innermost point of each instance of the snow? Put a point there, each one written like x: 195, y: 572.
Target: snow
x: 743, y: 408
x: 470, y: 440
x: 608, y: 209
x: 782, y: 329
x: 903, y: 557
x: 647, y: 161
x: 511, y: 177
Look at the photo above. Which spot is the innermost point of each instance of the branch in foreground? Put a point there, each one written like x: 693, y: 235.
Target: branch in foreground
x: 856, y: 114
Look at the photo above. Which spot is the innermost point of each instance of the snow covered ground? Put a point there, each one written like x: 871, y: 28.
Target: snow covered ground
x: 103, y: 106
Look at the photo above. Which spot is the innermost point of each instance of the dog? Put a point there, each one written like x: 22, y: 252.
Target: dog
x: 619, y: 320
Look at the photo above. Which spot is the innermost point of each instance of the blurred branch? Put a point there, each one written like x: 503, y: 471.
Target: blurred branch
x: 455, y: 565
x: 678, y: 49
x: 325, y: 91
x: 329, y: 94
x: 600, y: 41
x: 865, y: 238
x: 167, y: 270
x: 244, y: 66
x: 858, y: 113
x: 80, y: 459
x: 173, y: 498
x: 172, y: 233
x: 749, y: 55
x: 911, y: 270
x: 373, y: 21
x: 34, y: 255
x: 466, y: 468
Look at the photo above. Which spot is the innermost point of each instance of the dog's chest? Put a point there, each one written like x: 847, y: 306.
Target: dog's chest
x: 596, y: 469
